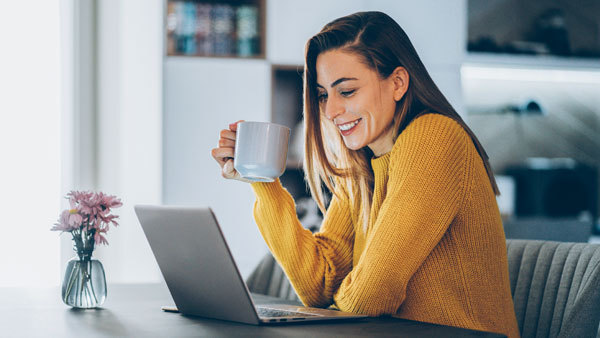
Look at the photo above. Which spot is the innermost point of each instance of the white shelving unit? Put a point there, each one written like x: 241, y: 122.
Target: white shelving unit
x: 532, y: 61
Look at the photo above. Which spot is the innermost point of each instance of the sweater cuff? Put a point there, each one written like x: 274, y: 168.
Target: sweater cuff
x: 267, y: 189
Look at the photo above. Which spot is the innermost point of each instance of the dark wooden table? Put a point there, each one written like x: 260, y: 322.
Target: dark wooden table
x: 133, y: 310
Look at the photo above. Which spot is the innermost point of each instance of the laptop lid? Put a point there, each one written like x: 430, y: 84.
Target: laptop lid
x: 196, y: 262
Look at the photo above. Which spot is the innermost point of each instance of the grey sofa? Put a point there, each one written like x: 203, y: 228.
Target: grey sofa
x: 555, y: 286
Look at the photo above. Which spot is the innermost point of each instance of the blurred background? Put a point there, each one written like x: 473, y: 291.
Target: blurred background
x: 128, y: 97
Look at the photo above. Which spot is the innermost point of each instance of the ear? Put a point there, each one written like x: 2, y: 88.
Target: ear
x: 400, y: 79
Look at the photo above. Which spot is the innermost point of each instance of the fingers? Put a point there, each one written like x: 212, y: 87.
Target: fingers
x: 227, y: 134
x: 226, y: 147
x: 225, y: 152
x: 226, y: 143
x: 233, y: 126
x: 230, y: 134
x: 222, y: 155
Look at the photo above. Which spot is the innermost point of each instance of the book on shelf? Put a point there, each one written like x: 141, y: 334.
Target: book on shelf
x: 247, y: 30
x: 212, y: 29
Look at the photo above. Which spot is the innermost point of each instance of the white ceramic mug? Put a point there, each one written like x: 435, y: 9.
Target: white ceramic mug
x: 261, y: 150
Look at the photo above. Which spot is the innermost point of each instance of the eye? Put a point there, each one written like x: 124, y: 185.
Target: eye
x: 347, y: 93
x: 322, y: 97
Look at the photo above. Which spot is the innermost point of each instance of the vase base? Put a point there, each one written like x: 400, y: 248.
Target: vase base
x: 84, y: 285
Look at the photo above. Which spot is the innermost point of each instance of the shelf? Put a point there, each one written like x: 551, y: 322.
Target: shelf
x: 222, y: 57
x: 215, y: 28
x: 532, y: 61
x: 216, y: 61
x: 555, y: 33
x: 286, y: 108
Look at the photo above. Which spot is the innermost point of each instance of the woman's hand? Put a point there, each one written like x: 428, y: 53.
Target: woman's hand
x: 224, y: 153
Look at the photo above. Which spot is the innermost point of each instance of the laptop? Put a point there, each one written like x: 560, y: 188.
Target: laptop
x: 201, y: 274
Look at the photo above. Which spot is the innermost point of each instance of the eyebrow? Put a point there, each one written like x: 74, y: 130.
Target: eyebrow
x: 338, y: 81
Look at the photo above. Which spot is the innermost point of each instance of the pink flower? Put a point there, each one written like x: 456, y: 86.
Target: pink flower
x: 99, y: 238
x: 89, y: 213
x: 93, y: 204
x: 108, y: 201
x: 77, y: 197
x: 88, y: 205
x: 69, y: 220
x: 108, y: 219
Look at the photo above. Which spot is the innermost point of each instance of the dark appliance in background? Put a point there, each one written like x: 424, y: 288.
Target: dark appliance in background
x: 567, y: 28
x: 557, y: 189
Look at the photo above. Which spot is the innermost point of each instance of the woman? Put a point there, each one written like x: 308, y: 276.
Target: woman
x: 413, y: 229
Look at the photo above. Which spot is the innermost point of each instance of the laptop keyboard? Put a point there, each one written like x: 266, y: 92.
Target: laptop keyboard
x: 268, y: 312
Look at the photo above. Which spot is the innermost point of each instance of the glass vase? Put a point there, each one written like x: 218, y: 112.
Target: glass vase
x: 84, y: 285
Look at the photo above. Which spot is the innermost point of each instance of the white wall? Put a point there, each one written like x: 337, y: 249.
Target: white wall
x: 202, y: 97
x: 437, y: 28
x: 78, y: 144
x: 130, y: 128
x: 291, y: 23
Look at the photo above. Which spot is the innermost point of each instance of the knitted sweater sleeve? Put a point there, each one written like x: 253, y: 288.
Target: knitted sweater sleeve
x: 424, y: 193
x: 315, y: 264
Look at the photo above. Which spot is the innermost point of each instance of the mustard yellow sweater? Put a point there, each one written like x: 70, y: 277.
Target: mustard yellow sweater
x: 434, y: 250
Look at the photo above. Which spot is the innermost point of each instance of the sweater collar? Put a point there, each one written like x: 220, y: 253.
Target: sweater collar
x: 380, y: 164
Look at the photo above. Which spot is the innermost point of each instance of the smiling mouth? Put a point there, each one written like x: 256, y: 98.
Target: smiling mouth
x: 349, y: 125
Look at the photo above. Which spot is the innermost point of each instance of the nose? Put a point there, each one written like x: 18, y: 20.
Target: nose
x: 333, y: 108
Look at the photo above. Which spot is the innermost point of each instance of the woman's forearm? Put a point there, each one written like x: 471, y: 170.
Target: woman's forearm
x: 315, y: 264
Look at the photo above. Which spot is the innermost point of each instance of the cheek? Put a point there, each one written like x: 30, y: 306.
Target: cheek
x: 387, y: 112
x: 354, y: 108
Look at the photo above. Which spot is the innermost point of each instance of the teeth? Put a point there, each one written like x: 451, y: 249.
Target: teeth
x: 348, y: 126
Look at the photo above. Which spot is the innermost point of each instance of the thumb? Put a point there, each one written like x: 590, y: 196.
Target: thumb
x: 228, y: 169
x: 230, y: 172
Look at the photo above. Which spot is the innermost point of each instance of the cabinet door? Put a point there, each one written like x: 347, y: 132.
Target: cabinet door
x: 202, y: 96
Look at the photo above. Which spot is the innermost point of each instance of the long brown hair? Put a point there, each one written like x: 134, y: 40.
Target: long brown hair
x: 383, y: 46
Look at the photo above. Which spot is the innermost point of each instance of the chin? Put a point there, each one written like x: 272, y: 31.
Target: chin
x: 353, y: 145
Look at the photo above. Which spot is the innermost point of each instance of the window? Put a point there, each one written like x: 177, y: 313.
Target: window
x: 30, y: 142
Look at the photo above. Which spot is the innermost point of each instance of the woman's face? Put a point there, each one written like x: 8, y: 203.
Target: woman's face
x: 358, y: 101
